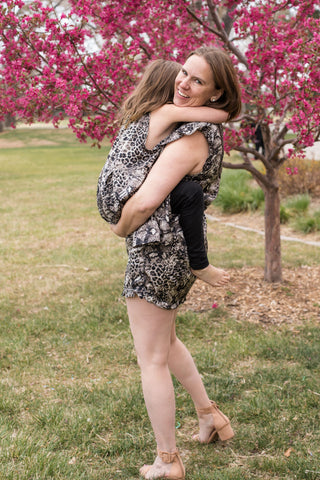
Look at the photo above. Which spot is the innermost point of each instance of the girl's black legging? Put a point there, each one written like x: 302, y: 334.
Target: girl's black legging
x: 187, y: 202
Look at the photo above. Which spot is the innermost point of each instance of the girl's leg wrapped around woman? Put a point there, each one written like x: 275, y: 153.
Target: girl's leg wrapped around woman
x: 187, y: 201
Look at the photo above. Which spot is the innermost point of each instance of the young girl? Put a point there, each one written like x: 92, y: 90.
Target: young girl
x: 119, y: 180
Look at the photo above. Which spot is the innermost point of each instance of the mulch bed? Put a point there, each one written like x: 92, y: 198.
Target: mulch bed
x: 248, y: 297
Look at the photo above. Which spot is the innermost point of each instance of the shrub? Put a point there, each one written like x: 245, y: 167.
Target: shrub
x: 236, y: 195
x: 284, y: 215
x: 308, y: 224
x: 298, y: 204
x: 298, y: 176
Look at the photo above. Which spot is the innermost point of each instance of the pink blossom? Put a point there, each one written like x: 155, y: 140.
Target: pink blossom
x: 46, y: 66
x: 292, y: 171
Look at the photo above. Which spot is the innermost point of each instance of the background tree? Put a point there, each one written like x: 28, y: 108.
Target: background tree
x: 80, y: 58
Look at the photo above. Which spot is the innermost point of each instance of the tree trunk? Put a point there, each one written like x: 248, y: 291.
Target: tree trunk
x: 272, y: 272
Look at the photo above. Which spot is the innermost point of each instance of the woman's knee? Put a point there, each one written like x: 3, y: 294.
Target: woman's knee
x: 152, y: 363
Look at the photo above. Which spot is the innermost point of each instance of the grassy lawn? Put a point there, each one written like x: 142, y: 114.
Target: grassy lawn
x: 71, y: 405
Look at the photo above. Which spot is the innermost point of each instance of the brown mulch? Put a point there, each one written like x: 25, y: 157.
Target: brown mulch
x: 248, y: 297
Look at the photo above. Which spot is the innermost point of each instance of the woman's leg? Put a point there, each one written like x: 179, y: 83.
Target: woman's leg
x: 151, y: 328
x: 182, y: 366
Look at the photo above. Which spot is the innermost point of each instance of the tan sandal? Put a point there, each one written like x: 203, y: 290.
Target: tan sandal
x: 222, y: 427
x: 177, y: 471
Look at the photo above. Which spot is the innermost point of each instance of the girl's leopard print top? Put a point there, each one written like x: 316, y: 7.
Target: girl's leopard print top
x: 129, y: 162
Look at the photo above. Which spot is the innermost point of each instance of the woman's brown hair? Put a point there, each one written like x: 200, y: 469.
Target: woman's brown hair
x: 225, y: 79
x: 155, y: 88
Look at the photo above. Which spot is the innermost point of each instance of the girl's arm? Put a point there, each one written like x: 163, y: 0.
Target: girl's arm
x: 163, y: 120
x: 174, y: 114
x: 180, y: 158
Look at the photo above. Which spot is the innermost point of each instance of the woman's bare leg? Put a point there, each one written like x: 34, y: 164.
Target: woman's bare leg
x: 182, y: 366
x: 151, y: 328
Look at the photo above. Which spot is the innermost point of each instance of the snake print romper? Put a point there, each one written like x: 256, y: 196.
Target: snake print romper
x: 158, y: 267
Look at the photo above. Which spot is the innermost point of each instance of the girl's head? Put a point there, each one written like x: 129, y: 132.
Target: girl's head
x: 208, y: 78
x: 155, y: 88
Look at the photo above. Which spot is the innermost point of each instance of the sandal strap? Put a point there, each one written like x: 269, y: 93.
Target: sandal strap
x: 207, y: 410
x: 167, y: 457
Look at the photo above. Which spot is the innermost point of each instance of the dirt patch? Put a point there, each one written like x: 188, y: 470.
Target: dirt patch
x: 248, y: 297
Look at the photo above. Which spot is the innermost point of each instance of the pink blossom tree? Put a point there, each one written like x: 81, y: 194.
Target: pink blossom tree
x: 80, y: 58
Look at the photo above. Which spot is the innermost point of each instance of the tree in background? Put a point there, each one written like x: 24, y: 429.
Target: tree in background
x: 80, y: 58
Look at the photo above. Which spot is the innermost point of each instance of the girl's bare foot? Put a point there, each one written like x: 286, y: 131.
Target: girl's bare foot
x: 216, y: 277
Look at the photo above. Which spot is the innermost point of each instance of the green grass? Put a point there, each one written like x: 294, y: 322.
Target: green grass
x: 293, y: 207
x: 71, y: 404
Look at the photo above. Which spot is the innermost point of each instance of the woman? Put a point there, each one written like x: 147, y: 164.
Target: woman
x: 132, y: 156
x: 158, y: 276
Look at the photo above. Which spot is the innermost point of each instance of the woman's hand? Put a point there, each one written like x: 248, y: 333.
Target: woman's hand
x: 134, y: 213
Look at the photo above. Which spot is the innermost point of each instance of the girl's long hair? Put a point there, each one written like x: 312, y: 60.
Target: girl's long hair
x: 155, y: 88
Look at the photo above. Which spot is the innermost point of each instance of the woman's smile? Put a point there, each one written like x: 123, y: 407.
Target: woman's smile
x: 182, y: 94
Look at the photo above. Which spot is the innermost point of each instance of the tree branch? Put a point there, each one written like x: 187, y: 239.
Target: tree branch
x: 102, y: 92
x: 281, y: 134
x: 141, y: 45
x: 220, y: 32
x: 224, y: 36
x: 202, y: 23
x: 260, y: 177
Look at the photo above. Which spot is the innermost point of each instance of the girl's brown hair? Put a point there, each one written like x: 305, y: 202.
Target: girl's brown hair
x: 225, y: 79
x: 155, y: 88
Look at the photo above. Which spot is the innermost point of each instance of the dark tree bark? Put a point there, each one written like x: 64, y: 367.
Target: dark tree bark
x: 273, y: 270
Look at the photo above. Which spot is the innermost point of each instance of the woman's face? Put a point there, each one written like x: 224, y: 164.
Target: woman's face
x: 194, y: 85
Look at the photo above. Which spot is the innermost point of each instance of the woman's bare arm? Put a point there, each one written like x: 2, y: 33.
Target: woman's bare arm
x: 180, y: 158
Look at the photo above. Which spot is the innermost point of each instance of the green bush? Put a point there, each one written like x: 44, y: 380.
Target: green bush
x: 298, y: 204
x: 285, y: 215
x: 309, y: 223
x: 236, y: 194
